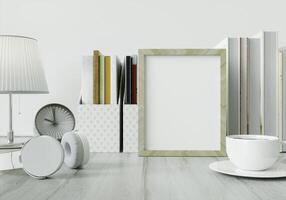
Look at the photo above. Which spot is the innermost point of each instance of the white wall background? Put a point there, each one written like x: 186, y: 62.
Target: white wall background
x: 69, y: 29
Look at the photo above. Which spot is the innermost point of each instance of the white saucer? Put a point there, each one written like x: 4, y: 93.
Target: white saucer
x: 278, y: 170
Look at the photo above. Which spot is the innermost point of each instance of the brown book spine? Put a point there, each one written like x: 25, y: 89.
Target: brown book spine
x: 96, y: 77
x: 134, y: 80
x: 107, y: 83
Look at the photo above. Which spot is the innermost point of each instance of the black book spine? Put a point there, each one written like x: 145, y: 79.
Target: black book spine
x: 128, y: 67
x: 118, y: 72
x: 121, y: 102
x: 121, y: 128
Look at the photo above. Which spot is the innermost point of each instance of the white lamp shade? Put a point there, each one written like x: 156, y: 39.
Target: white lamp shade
x: 21, y: 70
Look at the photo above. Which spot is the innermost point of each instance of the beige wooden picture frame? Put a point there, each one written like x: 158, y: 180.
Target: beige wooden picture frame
x: 155, y: 56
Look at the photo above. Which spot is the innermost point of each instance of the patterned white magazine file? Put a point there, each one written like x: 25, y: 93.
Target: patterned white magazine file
x: 100, y: 123
x: 130, y: 128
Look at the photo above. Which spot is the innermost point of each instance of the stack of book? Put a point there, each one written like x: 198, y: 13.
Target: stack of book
x: 107, y: 80
x: 252, y: 90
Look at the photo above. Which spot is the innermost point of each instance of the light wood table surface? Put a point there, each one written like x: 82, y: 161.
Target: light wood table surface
x: 114, y: 176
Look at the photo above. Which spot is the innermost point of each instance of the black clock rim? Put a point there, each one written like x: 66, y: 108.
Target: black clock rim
x: 53, y: 104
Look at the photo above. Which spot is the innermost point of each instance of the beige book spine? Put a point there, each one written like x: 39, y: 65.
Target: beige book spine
x: 107, y: 89
x: 96, y: 77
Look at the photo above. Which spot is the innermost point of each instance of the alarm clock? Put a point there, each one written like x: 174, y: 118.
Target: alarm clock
x: 54, y: 120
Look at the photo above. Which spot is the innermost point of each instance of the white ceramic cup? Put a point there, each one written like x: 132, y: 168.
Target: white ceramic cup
x: 252, y: 152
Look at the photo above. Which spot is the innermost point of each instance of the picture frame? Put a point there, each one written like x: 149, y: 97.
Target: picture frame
x: 173, y: 121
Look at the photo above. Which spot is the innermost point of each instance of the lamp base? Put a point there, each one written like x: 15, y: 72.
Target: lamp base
x: 11, y: 146
x: 18, y: 143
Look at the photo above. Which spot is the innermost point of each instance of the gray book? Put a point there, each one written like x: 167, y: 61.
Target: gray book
x: 243, y: 86
x: 282, y: 97
x: 254, y: 86
x: 268, y: 77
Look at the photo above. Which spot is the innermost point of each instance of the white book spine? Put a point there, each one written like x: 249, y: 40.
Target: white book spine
x: 113, y: 79
x: 262, y: 77
x: 282, y: 97
x: 101, y: 80
x: 254, y: 86
x: 87, y: 80
x: 271, y: 66
x: 234, y: 85
x: 244, y: 86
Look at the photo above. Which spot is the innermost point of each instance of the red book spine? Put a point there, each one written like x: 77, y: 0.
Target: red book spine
x: 134, y: 81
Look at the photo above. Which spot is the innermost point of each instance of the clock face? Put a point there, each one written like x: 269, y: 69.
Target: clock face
x: 54, y: 120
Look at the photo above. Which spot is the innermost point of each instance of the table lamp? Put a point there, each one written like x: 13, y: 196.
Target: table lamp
x: 21, y: 72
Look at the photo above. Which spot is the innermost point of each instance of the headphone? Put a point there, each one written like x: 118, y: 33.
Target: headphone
x: 42, y: 156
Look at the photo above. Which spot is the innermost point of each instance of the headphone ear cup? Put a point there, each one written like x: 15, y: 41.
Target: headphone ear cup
x: 42, y: 156
x: 76, y: 150
x: 86, y: 151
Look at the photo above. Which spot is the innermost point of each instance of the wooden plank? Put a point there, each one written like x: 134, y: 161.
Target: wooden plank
x: 107, y: 176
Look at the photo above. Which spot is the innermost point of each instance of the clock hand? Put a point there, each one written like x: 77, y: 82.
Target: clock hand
x: 49, y: 120
x: 54, y: 115
x: 54, y: 123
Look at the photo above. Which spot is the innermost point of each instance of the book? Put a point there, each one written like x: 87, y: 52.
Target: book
x: 282, y: 97
x: 96, y: 54
x: 122, y: 86
x: 232, y: 46
x: 101, y: 79
x: 268, y: 78
x: 114, y: 79
x: 134, y: 80
x: 118, y: 75
x: 254, y: 86
x: 243, y: 61
x: 243, y: 86
x: 128, y: 66
x: 121, y: 102
x: 107, y: 80
x: 87, y: 80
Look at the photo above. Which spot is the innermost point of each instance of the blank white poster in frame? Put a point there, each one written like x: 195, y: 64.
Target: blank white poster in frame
x: 182, y: 102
